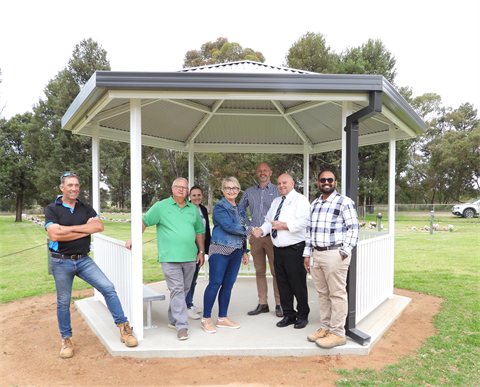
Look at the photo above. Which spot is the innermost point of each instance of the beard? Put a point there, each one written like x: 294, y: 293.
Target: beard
x: 325, y: 190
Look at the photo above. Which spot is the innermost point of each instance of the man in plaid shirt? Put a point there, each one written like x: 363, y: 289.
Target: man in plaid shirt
x: 332, y: 233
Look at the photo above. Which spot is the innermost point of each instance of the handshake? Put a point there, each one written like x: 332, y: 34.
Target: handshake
x: 257, y: 232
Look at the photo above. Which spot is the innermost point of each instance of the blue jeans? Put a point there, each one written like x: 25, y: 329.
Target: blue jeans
x: 189, y: 298
x: 223, y: 274
x: 64, y: 270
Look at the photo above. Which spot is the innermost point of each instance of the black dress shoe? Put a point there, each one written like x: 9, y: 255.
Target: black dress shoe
x: 300, y: 324
x: 286, y: 321
x: 279, y: 311
x: 259, y: 309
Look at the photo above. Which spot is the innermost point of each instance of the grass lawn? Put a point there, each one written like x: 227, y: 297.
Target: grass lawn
x: 445, y: 264
x: 25, y: 273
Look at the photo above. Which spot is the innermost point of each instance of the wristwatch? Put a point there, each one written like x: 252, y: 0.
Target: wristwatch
x: 201, y: 252
x: 344, y: 254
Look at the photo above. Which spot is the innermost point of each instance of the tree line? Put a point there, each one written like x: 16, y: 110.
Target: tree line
x: 441, y: 166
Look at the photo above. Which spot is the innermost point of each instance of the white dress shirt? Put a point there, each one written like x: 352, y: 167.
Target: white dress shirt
x: 295, y: 212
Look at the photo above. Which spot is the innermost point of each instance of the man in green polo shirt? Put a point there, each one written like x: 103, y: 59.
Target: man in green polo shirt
x: 179, y: 237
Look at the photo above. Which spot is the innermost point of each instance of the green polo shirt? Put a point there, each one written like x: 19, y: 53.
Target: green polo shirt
x: 176, y: 230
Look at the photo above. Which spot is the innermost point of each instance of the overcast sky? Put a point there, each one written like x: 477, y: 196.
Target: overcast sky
x: 436, y: 43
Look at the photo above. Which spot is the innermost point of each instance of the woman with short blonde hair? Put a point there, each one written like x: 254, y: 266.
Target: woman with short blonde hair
x: 227, y: 249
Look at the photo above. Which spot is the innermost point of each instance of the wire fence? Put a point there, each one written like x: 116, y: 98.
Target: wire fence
x: 364, y: 212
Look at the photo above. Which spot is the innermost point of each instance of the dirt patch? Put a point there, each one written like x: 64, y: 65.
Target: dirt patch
x: 30, y: 343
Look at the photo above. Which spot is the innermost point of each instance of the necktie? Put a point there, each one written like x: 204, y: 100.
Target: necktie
x: 277, y: 215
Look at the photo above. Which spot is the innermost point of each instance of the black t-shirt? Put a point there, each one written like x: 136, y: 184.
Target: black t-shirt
x: 63, y: 215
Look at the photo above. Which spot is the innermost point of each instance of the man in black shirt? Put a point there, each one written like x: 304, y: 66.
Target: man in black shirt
x: 69, y: 224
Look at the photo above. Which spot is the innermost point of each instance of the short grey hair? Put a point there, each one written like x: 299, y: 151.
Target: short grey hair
x: 68, y: 174
x: 179, y: 178
x: 231, y: 179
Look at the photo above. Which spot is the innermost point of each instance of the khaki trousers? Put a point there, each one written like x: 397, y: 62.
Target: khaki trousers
x: 329, y: 275
x: 262, y: 248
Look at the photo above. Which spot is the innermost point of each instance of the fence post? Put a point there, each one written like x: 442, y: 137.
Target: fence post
x: 379, y: 223
x: 431, y: 222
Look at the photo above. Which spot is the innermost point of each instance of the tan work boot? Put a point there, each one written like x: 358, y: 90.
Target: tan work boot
x: 126, y: 335
x: 330, y: 340
x: 67, y: 347
x: 317, y: 335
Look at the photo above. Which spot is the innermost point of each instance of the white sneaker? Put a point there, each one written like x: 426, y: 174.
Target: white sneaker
x: 192, y: 314
x: 197, y: 309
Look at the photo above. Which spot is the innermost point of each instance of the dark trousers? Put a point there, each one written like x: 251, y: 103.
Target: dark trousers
x: 189, y: 298
x: 292, y: 280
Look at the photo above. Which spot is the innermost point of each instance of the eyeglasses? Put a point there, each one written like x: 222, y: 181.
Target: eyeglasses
x: 67, y: 174
x: 179, y: 187
x: 231, y: 189
x: 323, y: 180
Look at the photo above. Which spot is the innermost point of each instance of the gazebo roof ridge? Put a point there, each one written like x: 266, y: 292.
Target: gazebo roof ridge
x: 245, y: 66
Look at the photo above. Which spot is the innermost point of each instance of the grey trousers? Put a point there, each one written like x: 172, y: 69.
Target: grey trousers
x: 178, y: 276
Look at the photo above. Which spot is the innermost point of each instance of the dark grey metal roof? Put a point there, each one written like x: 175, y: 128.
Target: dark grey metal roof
x: 239, y: 112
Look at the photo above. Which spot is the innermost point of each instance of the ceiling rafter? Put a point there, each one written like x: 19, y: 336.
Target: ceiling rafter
x: 122, y: 109
x: 305, y: 106
x: 293, y: 124
x: 190, y: 104
x: 379, y: 117
x: 91, y: 113
x: 247, y: 112
x: 203, y: 122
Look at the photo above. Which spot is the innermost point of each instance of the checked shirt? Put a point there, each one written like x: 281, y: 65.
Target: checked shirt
x: 332, y: 222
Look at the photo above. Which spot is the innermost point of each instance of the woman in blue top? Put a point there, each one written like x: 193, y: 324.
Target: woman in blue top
x: 228, y: 247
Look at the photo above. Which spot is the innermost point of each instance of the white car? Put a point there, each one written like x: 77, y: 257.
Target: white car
x: 467, y: 210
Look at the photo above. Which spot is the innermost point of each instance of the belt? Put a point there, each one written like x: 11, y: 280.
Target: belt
x: 295, y: 245
x: 74, y: 257
x: 332, y: 247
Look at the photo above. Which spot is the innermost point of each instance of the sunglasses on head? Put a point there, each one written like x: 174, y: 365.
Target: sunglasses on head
x: 323, y: 180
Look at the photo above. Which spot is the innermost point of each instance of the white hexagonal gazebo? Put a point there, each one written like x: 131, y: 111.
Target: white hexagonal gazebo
x: 245, y: 107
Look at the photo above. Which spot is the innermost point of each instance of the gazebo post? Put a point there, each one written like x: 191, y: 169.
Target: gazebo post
x: 95, y: 166
x: 391, y: 198
x: 351, y: 129
x: 136, y: 215
x: 191, y: 164
x: 95, y: 176
x: 306, y: 170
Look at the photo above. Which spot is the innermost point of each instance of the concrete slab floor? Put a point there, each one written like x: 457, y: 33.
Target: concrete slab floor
x: 258, y: 335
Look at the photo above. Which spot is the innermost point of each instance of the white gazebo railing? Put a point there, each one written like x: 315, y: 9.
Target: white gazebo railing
x: 116, y: 262
x: 374, y: 270
x: 375, y: 259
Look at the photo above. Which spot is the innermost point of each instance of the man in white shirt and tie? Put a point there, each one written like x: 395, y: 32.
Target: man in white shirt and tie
x: 286, y: 221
